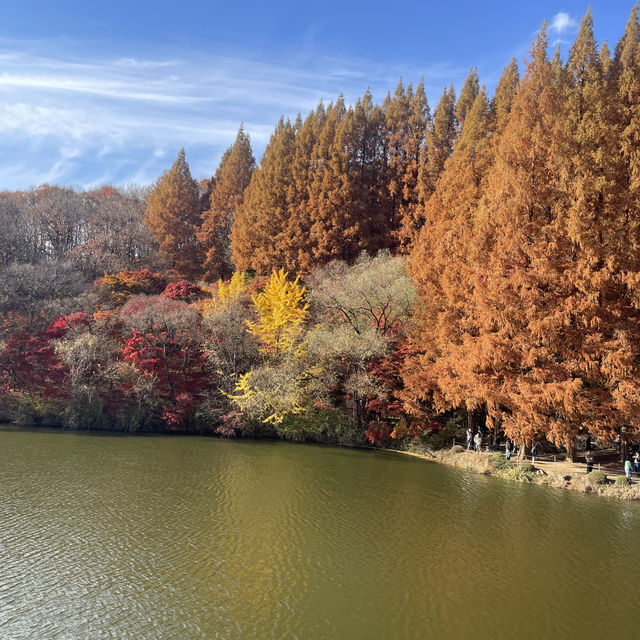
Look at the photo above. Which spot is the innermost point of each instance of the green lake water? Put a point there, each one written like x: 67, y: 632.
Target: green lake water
x: 122, y: 537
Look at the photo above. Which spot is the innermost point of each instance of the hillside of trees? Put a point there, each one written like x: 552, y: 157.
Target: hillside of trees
x: 386, y: 272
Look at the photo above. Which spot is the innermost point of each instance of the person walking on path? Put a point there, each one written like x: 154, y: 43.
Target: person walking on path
x: 627, y: 469
x: 468, y: 439
x: 589, y: 460
x: 534, y: 451
x: 636, y: 462
x: 507, y: 449
x: 477, y: 440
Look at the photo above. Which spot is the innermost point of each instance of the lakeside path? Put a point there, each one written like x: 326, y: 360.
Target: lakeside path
x: 562, y: 474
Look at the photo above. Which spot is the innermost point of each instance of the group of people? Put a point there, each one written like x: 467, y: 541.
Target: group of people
x: 509, y: 446
x: 631, y: 465
x: 477, y: 440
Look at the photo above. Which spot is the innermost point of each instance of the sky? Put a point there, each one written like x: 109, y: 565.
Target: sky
x: 95, y: 93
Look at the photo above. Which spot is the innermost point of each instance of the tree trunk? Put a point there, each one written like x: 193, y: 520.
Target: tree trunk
x: 473, y: 419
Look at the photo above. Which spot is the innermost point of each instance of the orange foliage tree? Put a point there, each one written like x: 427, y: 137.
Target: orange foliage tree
x: 227, y: 193
x: 173, y: 215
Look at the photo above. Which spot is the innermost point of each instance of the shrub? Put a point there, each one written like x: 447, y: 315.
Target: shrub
x: 30, y: 410
x: 622, y: 481
x: 515, y: 474
x: 596, y: 478
x: 457, y: 448
x: 498, y: 461
x: 527, y: 467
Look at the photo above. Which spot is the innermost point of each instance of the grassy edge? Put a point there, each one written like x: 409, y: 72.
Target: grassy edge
x: 484, y: 464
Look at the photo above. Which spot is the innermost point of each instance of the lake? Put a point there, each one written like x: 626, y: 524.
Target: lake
x: 114, y: 536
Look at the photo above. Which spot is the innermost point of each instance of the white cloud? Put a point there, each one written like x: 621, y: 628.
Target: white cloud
x: 562, y: 22
x: 77, y: 119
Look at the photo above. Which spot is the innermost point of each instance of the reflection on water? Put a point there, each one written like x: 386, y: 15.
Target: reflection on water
x: 158, y: 537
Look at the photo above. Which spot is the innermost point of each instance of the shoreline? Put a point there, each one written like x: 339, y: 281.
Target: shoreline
x: 570, y: 476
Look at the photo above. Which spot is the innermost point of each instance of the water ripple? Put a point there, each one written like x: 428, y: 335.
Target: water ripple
x: 140, y: 537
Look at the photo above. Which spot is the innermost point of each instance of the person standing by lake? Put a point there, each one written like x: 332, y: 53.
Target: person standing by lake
x: 636, y: 462
x: 534, y: 451
x: 589, y: 460
x: 507, y: 449
x: 627, y: 469
x: 468, y: 439
x: 477, y: 440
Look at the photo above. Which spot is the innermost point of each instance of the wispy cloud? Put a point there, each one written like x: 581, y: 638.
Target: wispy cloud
x: 123, y: 118
x: 562, y: 22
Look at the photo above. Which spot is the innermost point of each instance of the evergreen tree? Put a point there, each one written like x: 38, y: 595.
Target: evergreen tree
x: 443, y: 266
x: 504, y: 95
x: 173, y: 216
x: 438, y: 143
x: 624, y: 83
x: 406, y: 119
x: 263, y: 213
x: 468, y: 93
x: 295, y: 241
x: 231, y: 179
x: 352, y: 206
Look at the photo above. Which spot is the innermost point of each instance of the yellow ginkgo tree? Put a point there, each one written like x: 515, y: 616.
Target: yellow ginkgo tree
x: 276, y: 389
x: 281, y: 313
x: 223, y: 293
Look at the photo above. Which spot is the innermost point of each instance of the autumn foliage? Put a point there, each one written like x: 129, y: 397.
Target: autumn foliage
x: 385, y: 268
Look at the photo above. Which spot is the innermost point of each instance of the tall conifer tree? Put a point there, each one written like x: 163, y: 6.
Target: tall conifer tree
x: 352, y: 207
x: 295, y: 241
x: 468, y: 93
x: 443, y: 266
x: 231, y: 179
x: 407, y: 118
x: 504, y: 95
x: 439, y: 142
x: 173, y: 215
x: 263, y: 213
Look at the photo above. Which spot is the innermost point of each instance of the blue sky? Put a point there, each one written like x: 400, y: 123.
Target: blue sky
x: 96, y: 93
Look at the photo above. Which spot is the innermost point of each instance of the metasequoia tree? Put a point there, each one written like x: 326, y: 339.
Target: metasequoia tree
x: 504, y: 95
x: 597, y: 303
x: 468, y: 93
x: 436, y: 147
x: 443, y: 266
x: 264, y: 210
x: 406, y: 120
x: 517, y: 358
x: 173, y: 215
x: 231, y: 179
x: 624, y: 88
x: 526, y: 365
x: 439, y: 142
x: 352, y: 209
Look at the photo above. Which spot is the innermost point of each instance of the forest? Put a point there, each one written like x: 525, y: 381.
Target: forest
x: 387, y: 272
